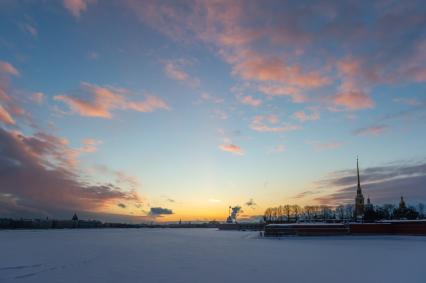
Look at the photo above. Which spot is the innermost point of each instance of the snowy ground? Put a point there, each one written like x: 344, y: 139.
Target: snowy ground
x: 206, y: 255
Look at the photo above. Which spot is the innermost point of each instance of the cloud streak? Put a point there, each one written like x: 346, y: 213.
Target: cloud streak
x: 271, y: 123
x: 303, y: 117
x: 97, y: 101
x: 5, y: 117
x: 174, y: 69
x: 371, y: 131
x: 7, y: 68
x: 232, y: 148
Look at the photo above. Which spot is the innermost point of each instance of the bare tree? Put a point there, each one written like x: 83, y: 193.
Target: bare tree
x: 287, y: 211
x: 309, y: 210
x: 296, y: 209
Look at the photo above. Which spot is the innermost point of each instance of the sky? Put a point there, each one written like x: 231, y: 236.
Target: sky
x: 166, y: 110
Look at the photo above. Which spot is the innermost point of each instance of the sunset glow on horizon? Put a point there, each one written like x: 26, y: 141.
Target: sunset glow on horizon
x: 140, y: 111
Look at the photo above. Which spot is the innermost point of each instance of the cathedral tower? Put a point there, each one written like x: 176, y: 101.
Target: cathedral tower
x: 359, y: 199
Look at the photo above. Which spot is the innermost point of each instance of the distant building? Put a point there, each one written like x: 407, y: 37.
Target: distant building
x: 368, y: 206
x: 359, y: 199
x: 75, y: 217
x: 402, y: 205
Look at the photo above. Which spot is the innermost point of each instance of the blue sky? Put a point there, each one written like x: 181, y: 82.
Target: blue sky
x: 194, y: 105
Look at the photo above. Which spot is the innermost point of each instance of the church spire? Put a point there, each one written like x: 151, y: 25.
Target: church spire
x: 359, y: 199
x: 357, y: 171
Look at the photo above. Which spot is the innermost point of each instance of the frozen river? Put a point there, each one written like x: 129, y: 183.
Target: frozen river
x: 205, y: 255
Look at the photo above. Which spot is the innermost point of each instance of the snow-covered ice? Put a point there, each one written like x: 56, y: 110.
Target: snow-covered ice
x: 206, y: 255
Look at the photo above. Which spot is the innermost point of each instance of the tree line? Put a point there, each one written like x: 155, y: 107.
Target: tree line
x: 341, y: 213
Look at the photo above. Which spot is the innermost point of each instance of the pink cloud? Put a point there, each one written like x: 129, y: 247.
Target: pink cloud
x: 419, y: 74
x: 121, y: 178
x: 210, y: 98
x: 281, y: 90
x: 232, y: 148
x: 249, y: 100
x: 76, y: 7
x: 273, y: 119
x: 5, y: 117
x: 371, y: 131
x: 150, y: 104
x: 269, y: 69
x: 174, y: 70
x: 349, y: 67
x: 10, y: 109
x: 90, y: 145
x: 303, y: 117
x: 414, y: 68
x: 7, y: 68
x: 100, y: 101
x: 52, y: 151
x: 352, y: 100
x: 258, y: 124
x: 38, y: 97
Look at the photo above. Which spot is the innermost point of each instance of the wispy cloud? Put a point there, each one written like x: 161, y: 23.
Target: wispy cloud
x: 205, y: 96
x: 174, y: 69
x: 303, y: 117
x: 352, y: 100
x: 249, y: 100
x: 5, y: 117
x: 271, y: 124
x: 97, y: 101
x: 254, y: 66
x: 305, y: 194
x: 90, y: 145
x: 371, y: 131
x: 232, y: 148
x: 10, y: 109
x: 7, y: 68
x: 38, y: 97
x: 31, y: 29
